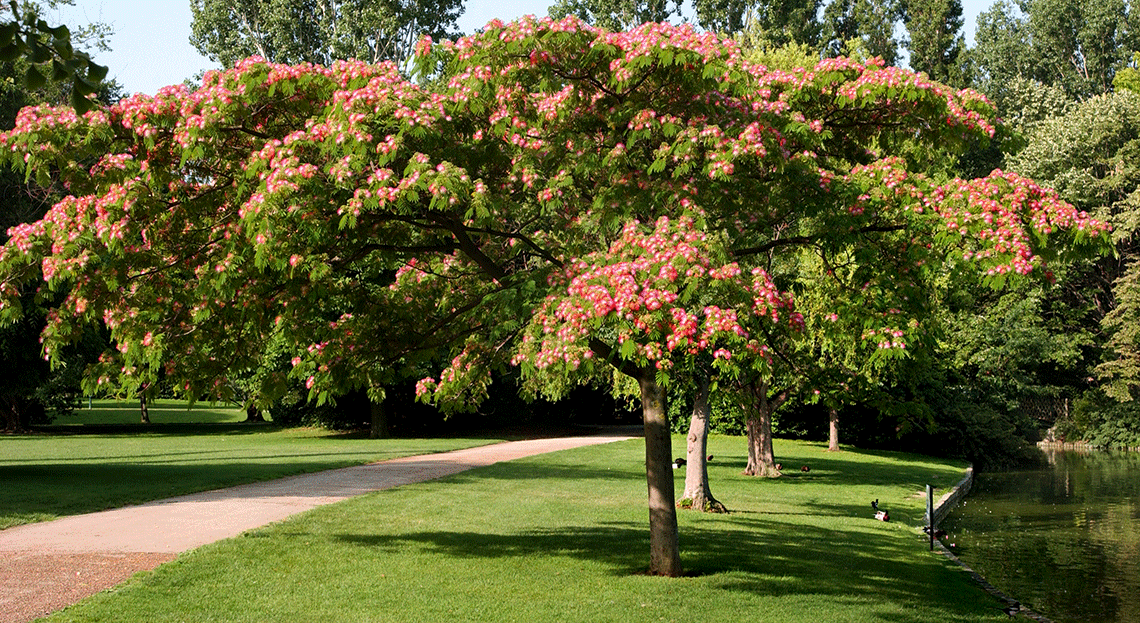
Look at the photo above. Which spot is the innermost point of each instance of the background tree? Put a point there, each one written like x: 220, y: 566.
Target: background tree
x: 934, y: 29
x: 319, y: 31
x: 775, y: 22
x: 49, y: 53
x: 616, y: 14
x: 1090, y: 155
x: 862, y: 28
x: 1077, y: 46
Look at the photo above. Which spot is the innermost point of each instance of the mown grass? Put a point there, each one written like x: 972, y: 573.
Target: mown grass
x: 562, y: 537
x: 70, y: 469
x: 106, y: 412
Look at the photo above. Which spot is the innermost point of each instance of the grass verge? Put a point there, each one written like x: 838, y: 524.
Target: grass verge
x: 562, y: 537
x: 49, y: 475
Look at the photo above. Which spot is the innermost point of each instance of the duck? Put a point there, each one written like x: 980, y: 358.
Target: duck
x: 938, y: 533
x: 1012, y: 609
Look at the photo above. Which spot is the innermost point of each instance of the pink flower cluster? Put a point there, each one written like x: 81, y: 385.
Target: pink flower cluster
x: 645, y: 288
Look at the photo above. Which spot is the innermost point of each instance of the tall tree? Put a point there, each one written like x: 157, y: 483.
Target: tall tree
x: 934, y: 28
x: 319, y: 31
x: 863, y: 28
x: 586, y: 204
x: 1077, y: 46
x: 1090, y: 155
x: 776, y: 22
x: 616, y: 14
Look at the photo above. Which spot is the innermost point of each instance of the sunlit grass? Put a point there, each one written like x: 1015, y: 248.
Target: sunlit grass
x: 49, y: 475
x: 164, y: 411
x: 562, y: 537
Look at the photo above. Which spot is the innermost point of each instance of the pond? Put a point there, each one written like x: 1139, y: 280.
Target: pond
x: 1064, y: 539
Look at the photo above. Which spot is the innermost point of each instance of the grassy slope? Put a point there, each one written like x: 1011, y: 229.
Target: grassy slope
x: 562, y: 537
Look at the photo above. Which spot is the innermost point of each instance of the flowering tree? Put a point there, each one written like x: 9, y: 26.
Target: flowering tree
x: 575, y: 201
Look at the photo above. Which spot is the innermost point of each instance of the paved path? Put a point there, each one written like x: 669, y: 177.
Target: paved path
x: 50, y: 565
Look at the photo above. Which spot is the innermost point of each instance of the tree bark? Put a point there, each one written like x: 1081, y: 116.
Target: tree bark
x: 145, y: 412
x: 379, y: 420
x: 761, y: 458
x: 698, y: 495
x: 664, y: 551
x: 10, y: 409
x: 833, y: 429
x: 253, y: 413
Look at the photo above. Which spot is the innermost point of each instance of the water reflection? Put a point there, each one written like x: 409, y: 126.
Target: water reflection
x: 1063, y: 538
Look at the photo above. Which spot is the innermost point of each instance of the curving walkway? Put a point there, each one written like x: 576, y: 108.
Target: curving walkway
x: 50, y: 565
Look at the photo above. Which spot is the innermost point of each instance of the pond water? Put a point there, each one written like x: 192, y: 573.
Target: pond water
x: 1063, y: 539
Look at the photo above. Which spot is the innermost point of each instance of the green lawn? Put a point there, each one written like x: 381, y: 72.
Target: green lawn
x: 562, y: 537
x: 111, y: 412
x: 49, y: 475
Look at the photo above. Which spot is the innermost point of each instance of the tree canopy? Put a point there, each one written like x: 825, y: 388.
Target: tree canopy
x: 578, y: 201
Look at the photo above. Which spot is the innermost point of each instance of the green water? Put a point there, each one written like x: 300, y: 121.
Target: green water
x: 1063, y: 539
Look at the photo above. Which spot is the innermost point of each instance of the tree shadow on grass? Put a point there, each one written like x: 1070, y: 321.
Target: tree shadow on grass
x: 763, y: 556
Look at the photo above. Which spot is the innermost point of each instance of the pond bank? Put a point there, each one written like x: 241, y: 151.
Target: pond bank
x: 942, y: 508
x: 1061, y: 536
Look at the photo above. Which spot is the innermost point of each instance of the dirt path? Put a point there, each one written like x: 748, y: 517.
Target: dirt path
x: 47, y: 566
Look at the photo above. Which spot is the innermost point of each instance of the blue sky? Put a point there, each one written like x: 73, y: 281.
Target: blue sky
x: 151, y: 49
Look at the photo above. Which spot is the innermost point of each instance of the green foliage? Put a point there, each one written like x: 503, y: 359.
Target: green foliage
x: 49, y: 55
x: 1120, y: 369
x: 1101, y: 421
x: 1128, y: 78
x: 616, y: 14
x: 862, y: 28
x: 779, y: 22
x: 296, y: 31
x: 1077, y: 46
x: 1091, y: 155
x: 935, y: 40
x: 726, y: 417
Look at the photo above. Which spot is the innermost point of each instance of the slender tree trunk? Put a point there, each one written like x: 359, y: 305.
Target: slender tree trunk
x: 761, y: 458
x: 379, y: 420
x: 697, y: 493
x: 833, y: 429
x: 664, y: 551
x: 145, y: 417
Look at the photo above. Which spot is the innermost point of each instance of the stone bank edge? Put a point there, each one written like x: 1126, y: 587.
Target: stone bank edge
x: 942, y: 508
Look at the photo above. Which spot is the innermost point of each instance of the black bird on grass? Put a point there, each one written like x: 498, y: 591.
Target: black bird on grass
x: 938, y: 532
x: 875, y: 504
x: 1012, y: 609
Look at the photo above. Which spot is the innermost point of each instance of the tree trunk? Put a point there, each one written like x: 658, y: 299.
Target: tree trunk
x: 379, y: 420
x: 698, y: 495
x: 833, y: 429
x: 761, y: 458
x: 253, y: 413
x: 145, y: 417
x: 664, y: 551
x: 10, y: 409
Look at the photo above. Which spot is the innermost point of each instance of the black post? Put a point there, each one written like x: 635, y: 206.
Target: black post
x: 930, y: 514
